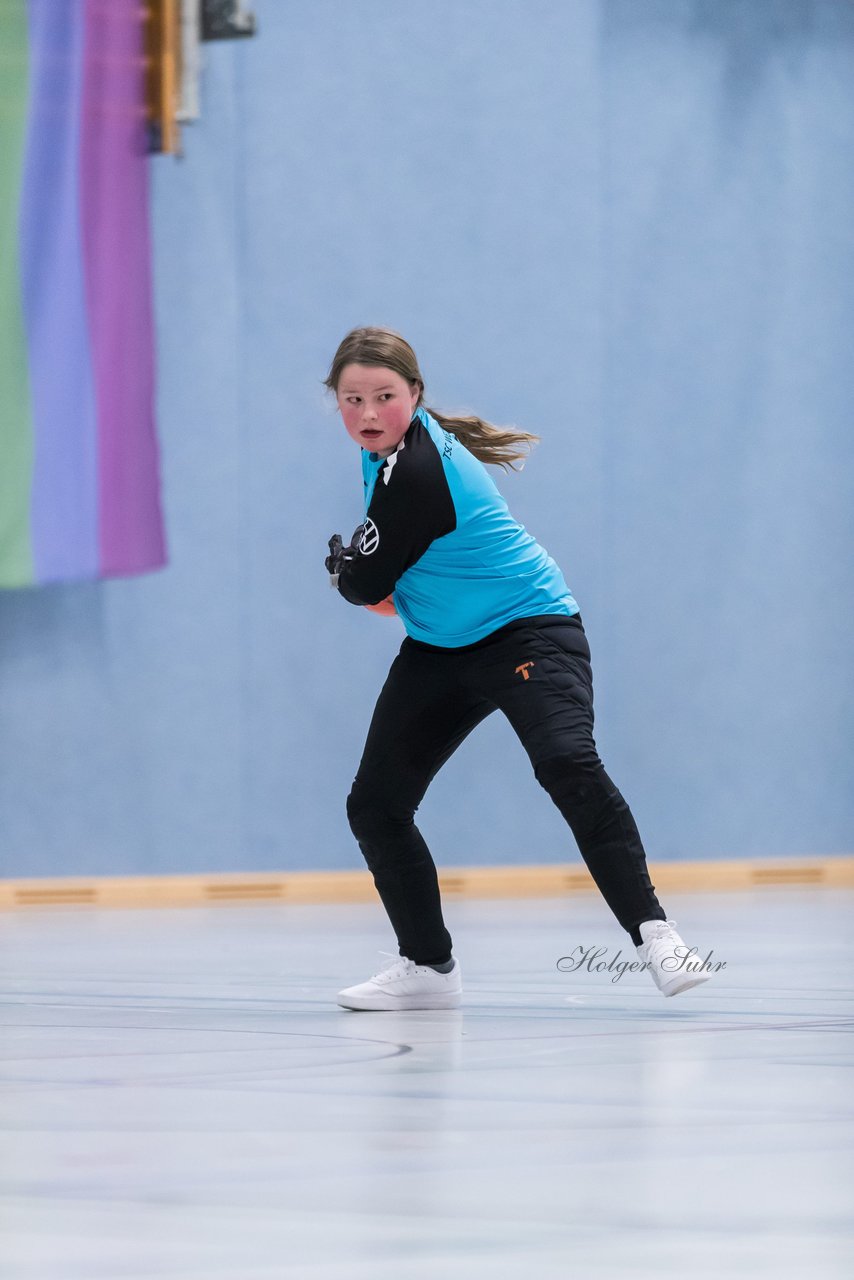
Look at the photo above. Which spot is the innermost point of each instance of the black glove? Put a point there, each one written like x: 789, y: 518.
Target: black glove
x: 339, y: 555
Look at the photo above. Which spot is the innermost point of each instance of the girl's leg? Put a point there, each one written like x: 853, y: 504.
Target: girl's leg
x: 540, y: 677
x: 421, y: 717
x: 607, y: 837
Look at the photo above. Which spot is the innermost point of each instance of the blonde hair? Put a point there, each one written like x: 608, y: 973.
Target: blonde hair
x: 385, y: 349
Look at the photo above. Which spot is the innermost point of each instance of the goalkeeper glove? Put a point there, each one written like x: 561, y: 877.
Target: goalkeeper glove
x: 339, y: 555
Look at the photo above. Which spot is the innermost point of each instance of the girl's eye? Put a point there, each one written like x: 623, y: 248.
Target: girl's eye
x: 386, y: 395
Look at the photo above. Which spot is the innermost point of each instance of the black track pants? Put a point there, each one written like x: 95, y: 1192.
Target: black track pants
x: 537, y: 671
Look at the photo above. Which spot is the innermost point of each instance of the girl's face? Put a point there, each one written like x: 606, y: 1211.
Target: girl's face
x: 377, y: 406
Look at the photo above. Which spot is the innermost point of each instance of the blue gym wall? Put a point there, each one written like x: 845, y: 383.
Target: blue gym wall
x: 627, y: 225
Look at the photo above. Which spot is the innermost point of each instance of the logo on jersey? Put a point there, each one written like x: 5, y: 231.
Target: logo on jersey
x: 522, y: 669
x: 370, y: 539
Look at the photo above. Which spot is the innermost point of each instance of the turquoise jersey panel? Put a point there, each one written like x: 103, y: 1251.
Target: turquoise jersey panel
x: 487, y: 571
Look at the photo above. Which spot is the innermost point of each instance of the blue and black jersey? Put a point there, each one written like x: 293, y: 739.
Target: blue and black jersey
x: 440, y: 539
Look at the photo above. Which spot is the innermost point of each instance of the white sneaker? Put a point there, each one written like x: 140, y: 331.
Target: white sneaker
x: 402, y: 984
x: 674, y: 966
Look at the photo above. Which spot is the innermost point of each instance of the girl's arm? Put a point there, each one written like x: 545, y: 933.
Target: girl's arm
x: 411, y: 505
x: 385, y: 608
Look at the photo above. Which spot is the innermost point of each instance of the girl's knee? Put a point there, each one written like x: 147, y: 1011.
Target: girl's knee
x: 370, y: 816
x: 572, y: 772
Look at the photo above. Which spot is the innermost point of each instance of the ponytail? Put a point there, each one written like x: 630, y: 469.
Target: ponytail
x: 495, y: 446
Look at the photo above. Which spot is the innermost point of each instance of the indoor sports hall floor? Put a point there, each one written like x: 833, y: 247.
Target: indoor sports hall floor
x: 182, y: 1098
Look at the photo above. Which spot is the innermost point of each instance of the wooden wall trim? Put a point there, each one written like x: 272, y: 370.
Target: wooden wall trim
x: 553, y: 880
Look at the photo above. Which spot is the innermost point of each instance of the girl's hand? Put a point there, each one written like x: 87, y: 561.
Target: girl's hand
x: 385, y: 608
x: 339, y: 554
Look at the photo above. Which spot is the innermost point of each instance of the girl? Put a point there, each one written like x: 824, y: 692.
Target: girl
x: 490, y: 623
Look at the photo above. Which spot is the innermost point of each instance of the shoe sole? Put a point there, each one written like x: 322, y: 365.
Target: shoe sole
x: 686, y: 986
x: 383, y: 1004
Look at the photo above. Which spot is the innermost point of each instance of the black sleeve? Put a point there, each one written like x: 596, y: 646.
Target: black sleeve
x: 410, y: 506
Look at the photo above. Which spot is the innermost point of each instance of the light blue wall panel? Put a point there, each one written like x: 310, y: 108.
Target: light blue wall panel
x: 625, y: 225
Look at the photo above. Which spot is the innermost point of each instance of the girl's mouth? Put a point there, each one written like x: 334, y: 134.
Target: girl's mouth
x: 371, y: 432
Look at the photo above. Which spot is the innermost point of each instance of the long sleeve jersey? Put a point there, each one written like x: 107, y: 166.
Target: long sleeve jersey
x: 439, y: 539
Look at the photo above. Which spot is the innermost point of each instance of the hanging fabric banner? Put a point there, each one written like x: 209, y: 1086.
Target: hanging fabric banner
x: 79, y: 463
